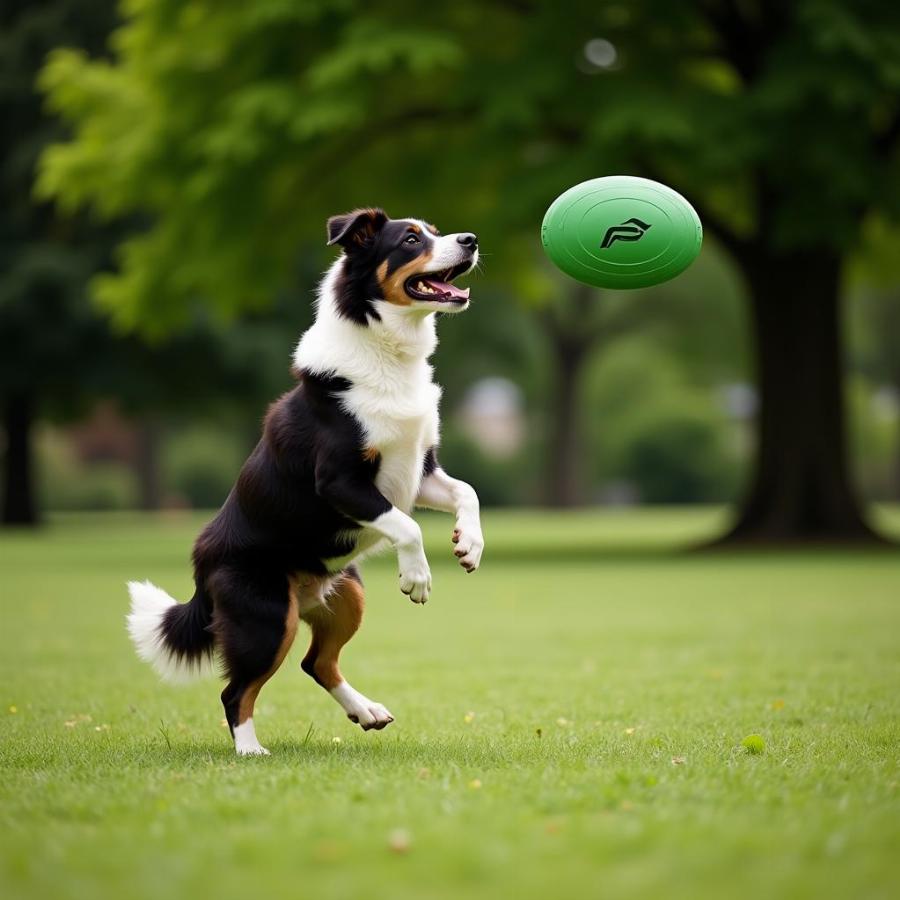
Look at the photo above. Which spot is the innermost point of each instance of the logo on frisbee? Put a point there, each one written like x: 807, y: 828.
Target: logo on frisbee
x: 629, y: 230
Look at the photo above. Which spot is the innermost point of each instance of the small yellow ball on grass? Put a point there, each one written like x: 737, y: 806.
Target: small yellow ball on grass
x: 754, y: 744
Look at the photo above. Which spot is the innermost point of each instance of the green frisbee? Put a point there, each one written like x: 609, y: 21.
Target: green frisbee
x: 621, y: 232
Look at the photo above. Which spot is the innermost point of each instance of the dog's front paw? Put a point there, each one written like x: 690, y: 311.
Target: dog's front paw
x: 469, y: 546
x: 415, y: 577
x: 416, y: 582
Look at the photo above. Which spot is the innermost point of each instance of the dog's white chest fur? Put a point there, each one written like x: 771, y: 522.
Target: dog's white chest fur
x: 392, y: 395
x: 400, y: 423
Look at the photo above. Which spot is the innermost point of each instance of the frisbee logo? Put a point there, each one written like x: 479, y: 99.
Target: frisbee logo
x: 629, y: 230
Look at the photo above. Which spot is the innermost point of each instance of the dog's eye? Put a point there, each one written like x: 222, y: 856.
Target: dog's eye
x: 412, y: 239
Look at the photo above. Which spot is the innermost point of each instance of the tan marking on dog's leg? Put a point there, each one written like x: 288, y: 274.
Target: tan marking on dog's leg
x: 332, y: 627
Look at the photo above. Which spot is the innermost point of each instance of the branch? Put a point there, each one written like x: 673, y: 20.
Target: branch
x: 886, y: 141
x: 712, y: 223
x: 735, y: 36
x: 723, y: 233
x: 743, y: 41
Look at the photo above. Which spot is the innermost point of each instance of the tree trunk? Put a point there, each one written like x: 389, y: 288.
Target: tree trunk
x: 896, y: 492
x: 893, y: 476
x: 800, y: 489
x: 564, y: 476
x: 19, y: 506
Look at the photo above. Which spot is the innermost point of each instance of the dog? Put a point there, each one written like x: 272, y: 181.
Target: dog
x: 343, y: 459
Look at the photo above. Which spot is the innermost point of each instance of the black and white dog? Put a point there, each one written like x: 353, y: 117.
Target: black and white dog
x: 344, y: 457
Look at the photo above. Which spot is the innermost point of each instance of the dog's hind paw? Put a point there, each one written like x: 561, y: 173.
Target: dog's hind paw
x: 360, y: 709
x: 246, y: 742
x: 373, y: 715
x: 258, y: 750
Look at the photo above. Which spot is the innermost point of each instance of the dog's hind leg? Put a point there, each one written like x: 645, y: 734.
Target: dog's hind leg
x: 255, y: 621
x: 333, y: 624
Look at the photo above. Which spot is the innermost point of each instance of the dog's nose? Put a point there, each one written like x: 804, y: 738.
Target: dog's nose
x: 468, y: 240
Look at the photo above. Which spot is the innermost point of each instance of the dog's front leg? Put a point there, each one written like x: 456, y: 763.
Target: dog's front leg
x: 361, y: 501
x: 406, y: 537
x: 439, y: 491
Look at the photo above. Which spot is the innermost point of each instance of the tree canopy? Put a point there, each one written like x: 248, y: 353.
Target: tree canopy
x: 237, y: 127
x: 58, y: 353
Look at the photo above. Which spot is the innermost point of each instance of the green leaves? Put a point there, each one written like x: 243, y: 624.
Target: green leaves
x: 236, y: 129
x: 371, y: 47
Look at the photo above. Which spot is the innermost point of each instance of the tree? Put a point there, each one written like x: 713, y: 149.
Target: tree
x: 57, y: 352
x: 44, y: 262
x: 237, y: 129
x: 877, y: 321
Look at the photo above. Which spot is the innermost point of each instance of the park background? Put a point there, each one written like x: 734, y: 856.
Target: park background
x: 703, y: 475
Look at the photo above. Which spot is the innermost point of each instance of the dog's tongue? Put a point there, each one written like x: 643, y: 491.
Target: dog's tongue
x: 444, y: 287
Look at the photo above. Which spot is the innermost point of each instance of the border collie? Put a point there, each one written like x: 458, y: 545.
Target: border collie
x: 343, y: 459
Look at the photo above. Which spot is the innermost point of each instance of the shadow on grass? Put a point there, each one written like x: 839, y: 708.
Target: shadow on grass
x: 320, y: 751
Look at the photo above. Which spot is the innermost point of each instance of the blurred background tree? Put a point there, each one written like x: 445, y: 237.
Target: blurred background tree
x: 875, y: 331
x: 47, y: 333
x: 225, y: 134
x: 58, y: 355
x: 238, y: 129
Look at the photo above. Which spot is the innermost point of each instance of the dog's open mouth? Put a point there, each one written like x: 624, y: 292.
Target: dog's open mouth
x: 436, y: 286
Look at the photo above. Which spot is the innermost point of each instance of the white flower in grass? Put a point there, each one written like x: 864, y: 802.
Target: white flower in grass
x: 400, y: 840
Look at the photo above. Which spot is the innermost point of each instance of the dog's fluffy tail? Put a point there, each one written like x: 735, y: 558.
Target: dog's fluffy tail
x: 173, y: 637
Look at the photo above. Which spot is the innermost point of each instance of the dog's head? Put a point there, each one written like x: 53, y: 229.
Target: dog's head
x: 404, y: 262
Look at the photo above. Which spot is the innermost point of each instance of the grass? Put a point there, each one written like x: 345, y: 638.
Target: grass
x: 570, y: 722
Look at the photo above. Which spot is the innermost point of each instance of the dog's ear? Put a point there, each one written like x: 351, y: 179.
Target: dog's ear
x: 357, y: 228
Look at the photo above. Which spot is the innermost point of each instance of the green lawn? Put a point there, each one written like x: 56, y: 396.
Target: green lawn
x: 569, y: 724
